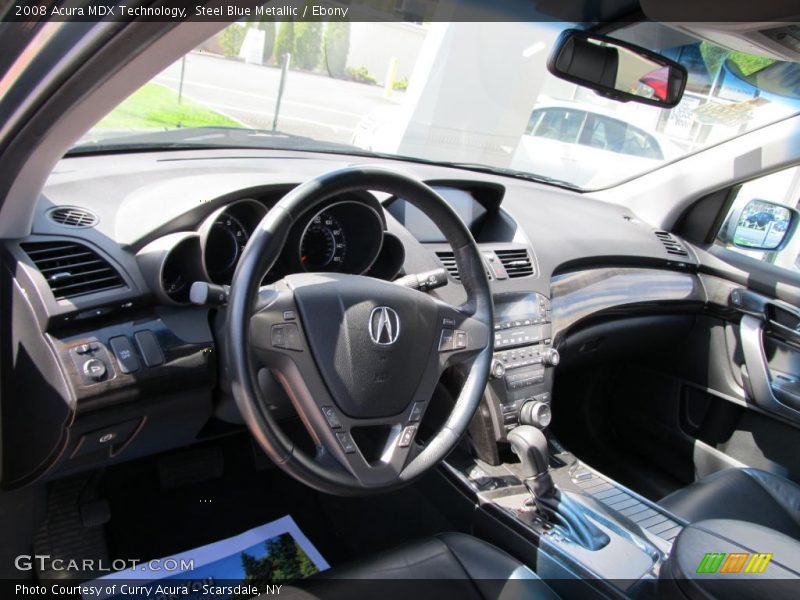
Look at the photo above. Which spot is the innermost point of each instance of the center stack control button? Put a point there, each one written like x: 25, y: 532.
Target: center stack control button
x: 498, y: 369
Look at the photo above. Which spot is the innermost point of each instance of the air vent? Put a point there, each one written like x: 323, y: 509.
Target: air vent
x: 71, y: 216
x: 448, y: 261
x: 671, y: 243
x: 517, y: 262
x: 72, y: 269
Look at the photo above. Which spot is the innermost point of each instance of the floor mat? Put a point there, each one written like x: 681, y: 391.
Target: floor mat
x: 149, y: 520
x: 241, y: 566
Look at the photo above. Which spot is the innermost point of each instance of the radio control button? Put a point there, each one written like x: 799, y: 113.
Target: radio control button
x: 498, y: 370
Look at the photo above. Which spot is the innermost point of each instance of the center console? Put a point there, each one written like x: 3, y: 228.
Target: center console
x: 593, y: 531
x: 519, y: 391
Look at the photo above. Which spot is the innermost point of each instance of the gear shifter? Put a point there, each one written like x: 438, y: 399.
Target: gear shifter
x: 530, y: 445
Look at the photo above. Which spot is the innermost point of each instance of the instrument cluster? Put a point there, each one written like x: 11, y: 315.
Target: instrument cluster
x: 346, y: 235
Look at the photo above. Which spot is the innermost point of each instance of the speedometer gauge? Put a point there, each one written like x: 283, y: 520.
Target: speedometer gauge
x: 323, y: 245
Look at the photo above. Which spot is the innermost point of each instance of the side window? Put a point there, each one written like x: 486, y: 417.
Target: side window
x: 616, y: 136
x: 639, y: 143
x: 594, y: 132
x: 559, y: 124
x: 536, y: 116
x: 604, y: 133
x: 763, y: 219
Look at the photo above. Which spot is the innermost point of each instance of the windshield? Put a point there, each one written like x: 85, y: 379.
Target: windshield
x: 476, y: 94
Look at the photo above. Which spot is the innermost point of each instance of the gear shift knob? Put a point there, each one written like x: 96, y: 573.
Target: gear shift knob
x: 530, y: 444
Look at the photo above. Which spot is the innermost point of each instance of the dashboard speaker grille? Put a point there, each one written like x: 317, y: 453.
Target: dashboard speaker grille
x: 72, y: 269
x: 671, y: 243
x: 517, y: 262
x: 71, y: 216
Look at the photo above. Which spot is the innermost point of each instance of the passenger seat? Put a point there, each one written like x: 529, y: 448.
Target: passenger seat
x: 749, y: 495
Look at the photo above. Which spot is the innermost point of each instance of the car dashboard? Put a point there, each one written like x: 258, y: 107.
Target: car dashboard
x: 107, y: 359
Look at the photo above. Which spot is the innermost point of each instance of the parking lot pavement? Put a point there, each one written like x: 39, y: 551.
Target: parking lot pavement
x: 313, y: 105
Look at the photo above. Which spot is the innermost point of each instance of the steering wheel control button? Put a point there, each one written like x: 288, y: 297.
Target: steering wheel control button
x: 289, y: 315
x: 416, y: 412
x: 293, y: 337
x: 331, y: 417
x: 286, y: 336
x: 149, y: 348
x: 407, y: 436
x: 278, y: 336
x: 123, y: 351
x: 346, y: 442
x: 452, y: 339
x: 447, y: 340
x: 95, y: 369
x: 460, y: 342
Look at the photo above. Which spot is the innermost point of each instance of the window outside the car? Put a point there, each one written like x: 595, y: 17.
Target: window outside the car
x: 477, y: 93
x: 617, y: 136
x: 557, y: 124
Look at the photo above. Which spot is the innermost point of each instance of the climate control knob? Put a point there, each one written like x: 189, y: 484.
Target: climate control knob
x: 498, y: 369
x: 551, y: 357
x: 535, y: 413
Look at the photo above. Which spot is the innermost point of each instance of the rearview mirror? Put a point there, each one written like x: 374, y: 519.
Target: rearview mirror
x: 617, y: 69
x: 764, y: 225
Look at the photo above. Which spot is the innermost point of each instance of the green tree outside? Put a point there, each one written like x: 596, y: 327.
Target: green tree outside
x: 284, y: 41
x: 231, y: 39
x: 307, y: 45
x: 336, y: 45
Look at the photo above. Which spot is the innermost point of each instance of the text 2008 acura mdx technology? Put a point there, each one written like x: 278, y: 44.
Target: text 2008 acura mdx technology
x: 400, y: 299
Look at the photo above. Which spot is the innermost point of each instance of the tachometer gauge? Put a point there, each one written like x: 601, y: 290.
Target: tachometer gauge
x: 323, y: 245
x: 226, y: 241
x: 173, y: 280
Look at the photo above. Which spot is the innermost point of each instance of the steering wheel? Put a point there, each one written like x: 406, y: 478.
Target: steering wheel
x: 355, y: 354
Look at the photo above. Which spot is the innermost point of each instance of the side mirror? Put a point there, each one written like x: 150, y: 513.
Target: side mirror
x: 764, y: 225
x: 617, y: 69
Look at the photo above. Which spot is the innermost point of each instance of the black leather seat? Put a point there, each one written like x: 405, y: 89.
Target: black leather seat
x: 742, y: 494
x: 450, y: 565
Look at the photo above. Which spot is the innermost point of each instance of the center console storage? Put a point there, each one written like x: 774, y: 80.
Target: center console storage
x: 721, y: 558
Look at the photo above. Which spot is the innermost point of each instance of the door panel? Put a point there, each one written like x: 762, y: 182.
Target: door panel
x: 691, y: 411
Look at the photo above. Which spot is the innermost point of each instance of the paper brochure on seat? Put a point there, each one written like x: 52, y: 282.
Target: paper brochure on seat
x: 257, y: 561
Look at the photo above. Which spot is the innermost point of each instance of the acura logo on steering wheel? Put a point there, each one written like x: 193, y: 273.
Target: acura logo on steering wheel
x: 384, y: 325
